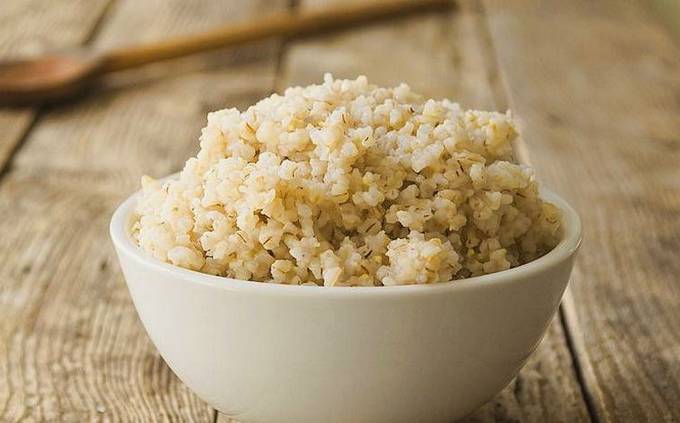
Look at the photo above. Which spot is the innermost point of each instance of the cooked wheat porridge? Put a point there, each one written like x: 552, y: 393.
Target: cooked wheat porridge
x: 349, y: 184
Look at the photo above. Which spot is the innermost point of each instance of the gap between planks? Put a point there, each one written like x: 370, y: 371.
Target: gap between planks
x: 606, y: 137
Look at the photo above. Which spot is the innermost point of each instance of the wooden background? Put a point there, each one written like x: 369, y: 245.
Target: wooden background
x: 596, y: 84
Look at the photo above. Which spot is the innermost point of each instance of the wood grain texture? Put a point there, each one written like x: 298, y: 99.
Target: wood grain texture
x: 445, y: 55
x: 71, y: 345
x: 28, y: 28
x: 598, y: 86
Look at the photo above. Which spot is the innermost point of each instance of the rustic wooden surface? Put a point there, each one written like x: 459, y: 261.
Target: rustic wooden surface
x: 603, y: 129
x: 596, y: 85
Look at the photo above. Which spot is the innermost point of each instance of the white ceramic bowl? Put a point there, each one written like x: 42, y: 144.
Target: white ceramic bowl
x: 297, y: 354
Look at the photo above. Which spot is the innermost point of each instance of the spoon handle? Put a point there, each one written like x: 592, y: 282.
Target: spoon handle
x: 286, y: 24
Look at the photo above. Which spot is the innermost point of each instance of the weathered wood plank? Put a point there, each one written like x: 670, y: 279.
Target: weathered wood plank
x: 598, y: 87
x: 29, y: 28
x: 438, y: 54
x: 71, y: 345
x: 445, y: 55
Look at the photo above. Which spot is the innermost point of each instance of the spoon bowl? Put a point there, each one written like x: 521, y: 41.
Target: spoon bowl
x: 46, y: 78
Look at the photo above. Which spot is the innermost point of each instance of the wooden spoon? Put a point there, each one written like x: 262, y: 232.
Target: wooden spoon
x: 60, y: 75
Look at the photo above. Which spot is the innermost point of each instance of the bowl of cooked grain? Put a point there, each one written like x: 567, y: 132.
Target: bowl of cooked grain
x: 285, y: 353
x: 346, y: 252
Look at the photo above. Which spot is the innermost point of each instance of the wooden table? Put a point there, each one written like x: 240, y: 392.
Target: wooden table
x: 596, y: 84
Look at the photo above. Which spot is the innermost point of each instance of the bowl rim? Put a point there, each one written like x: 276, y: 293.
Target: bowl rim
x: 565, y: 249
